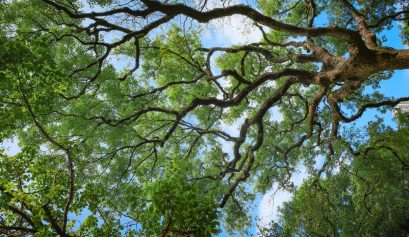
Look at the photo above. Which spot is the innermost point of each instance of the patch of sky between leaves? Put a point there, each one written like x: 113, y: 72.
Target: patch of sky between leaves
x: 10, y: 146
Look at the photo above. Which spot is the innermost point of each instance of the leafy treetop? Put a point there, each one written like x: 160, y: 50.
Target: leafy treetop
x: 138, y: 146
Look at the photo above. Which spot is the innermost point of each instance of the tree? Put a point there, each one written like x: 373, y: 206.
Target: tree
x: 138, y: 146
x: 367, y: 197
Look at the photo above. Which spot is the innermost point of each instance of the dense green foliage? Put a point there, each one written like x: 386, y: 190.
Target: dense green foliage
x: 121, y: 115
x: 368, y: 196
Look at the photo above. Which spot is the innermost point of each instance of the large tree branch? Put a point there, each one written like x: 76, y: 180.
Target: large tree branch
x: 363, y: 108
x: 369, y: 36
x: 177, y: 9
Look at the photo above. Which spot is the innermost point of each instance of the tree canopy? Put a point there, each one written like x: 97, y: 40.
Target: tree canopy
x: 120, y: 110
x: 368, y: 196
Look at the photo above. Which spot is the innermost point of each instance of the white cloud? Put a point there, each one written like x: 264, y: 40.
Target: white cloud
x: 231, y: 30
x: 234, y: 128
x: 319, y: 162
x: 10, y: 146
x: 274, y: 198
x: 276, y: 115
x: 234, y: 30
x: 269, y: 204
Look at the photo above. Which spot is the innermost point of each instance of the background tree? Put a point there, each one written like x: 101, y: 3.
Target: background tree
x: 367, y: 197
x: 137, y: 146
